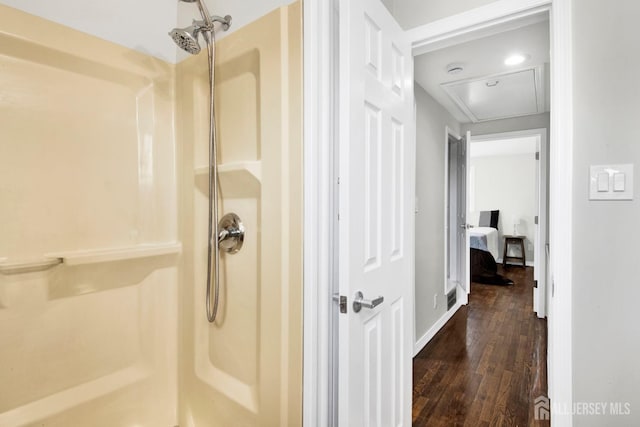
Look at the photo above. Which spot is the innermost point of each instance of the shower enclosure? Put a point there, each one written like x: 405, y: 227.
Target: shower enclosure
x: 104, y: 185
x: 245, y: 368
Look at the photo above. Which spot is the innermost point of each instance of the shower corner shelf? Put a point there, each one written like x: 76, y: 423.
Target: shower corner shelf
x: 95, y: 256
x: 251, y: 169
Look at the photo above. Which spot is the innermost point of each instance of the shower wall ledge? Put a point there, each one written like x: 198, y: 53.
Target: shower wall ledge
x: 236, y: 177
x: 27, y: 265
x: 253, y: 168
x: 93, y: 256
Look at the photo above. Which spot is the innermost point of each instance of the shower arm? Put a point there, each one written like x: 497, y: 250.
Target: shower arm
x: 205, y: 14
x: 206, y: 24
x: 202, y: 25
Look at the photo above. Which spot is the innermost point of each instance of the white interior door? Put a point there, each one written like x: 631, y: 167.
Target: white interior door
x: 451, y: 223
x: 540, y: 256
x: 377, y: 173
x: 464, y: 272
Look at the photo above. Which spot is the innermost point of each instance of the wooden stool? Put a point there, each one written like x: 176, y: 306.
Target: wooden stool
x: 516, y: 241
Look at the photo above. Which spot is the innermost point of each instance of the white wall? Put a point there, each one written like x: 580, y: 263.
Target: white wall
x: 142, y: 25
x: 535, y: 121
x: 507, y: 183
x: 606, y: 271
x: 431, y: 121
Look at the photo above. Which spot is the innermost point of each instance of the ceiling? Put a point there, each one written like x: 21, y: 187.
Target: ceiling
x: 476, y: 99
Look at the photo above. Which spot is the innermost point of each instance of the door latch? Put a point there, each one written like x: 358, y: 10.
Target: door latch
x: 342, y: 302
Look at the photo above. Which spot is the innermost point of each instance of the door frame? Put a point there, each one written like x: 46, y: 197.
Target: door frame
x: 320, y: 185
x: 491, y: 19
x: 462, y: 289
x: 320, y: 160
x: 539, y: 301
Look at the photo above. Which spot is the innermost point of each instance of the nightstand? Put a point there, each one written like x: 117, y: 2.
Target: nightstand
x: 514, y: 241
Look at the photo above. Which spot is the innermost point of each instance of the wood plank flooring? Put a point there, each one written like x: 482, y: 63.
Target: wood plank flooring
x: 488, y: 363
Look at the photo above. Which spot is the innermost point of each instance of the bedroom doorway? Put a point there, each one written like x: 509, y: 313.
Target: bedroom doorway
x: 518, y: 206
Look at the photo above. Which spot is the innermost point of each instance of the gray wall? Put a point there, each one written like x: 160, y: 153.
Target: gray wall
x: 606, y: 267
x: 431, y: 120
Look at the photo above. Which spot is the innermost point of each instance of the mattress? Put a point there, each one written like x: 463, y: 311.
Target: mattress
x: 486, y: 239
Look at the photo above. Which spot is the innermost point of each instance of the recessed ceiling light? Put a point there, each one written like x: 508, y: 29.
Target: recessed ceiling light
x: 516, y: 59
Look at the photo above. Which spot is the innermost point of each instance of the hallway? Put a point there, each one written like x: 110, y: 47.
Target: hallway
x: 487, y: 364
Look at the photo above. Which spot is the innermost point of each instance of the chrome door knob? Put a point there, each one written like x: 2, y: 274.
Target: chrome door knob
x: 359, y: 302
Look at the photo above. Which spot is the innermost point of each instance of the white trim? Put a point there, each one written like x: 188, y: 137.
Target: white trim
x: 433, y: 330
x: 446, y: 279
x: 319, y: 216
x: 482, y: 19
x: 561, y: 211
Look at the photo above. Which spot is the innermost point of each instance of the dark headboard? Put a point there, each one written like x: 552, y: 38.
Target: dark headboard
x: 489, y: 219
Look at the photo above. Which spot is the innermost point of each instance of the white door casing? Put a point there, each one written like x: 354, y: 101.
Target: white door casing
x: 377, y: 190
x: 452, y: 270
x: 464, y: 243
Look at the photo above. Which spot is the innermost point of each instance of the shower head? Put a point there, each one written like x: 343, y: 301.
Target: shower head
x: 186, y: 38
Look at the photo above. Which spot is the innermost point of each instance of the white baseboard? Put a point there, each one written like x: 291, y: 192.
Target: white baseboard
x: 424, y: 340
x: 528, y: 263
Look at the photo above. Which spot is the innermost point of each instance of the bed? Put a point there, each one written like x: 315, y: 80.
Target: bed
x: 485, y: 239
x: 484, y: 250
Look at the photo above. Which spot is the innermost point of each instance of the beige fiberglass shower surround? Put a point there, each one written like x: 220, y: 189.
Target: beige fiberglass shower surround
x: 103, y: 229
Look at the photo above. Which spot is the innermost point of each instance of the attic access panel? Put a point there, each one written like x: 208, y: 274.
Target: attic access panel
x: 500, y: 96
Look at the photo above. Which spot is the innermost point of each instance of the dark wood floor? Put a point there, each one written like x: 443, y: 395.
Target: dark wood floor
x: 488, y: 363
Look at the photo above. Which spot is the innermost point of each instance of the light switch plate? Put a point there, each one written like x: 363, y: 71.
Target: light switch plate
x: 619, y: 185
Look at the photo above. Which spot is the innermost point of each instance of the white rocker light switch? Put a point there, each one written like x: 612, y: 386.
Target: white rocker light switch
x: 603, y: 182
x: 618, y: 182
x: 611, y: 182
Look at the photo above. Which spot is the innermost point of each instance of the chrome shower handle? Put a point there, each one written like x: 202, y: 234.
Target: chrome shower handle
x: 231, y: 233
